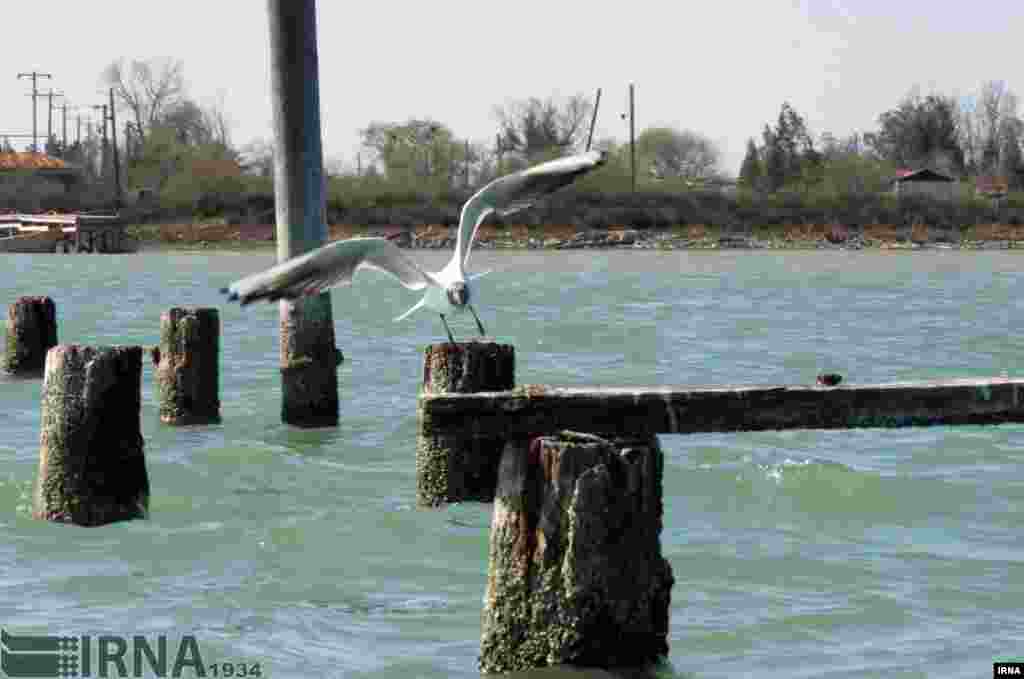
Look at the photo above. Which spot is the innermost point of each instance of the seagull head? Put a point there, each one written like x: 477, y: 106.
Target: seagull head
x: 458, y: 294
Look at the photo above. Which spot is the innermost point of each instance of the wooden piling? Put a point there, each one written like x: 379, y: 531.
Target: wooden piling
x: 576, y: 573
x: 462, y: 467
x: 31, y: 332
x: 188, y: 371
x: 91, y: 465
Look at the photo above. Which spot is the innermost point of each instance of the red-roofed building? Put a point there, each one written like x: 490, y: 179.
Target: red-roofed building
x: 923, y: 182
x: 35, y: 176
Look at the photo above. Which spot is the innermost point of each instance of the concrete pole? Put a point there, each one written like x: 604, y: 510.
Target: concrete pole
x: 632, y: 138
x: 593, y: 118
x: 49, y: 113
x: 64, y: 126
x: 35, y: 75
x: 117, y: 161
x: 309, y: 380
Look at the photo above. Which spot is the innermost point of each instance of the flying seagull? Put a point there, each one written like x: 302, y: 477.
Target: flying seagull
x: 448, y: 291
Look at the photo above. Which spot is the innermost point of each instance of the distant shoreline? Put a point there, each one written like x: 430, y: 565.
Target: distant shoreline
x: 220, y: 236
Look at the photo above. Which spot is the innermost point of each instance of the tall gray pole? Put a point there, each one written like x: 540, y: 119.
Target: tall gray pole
x: 632, y: 139
x: 117, y: 161
x: 309, y: 379
x: 593, y: 118
x: 104, y: 151
x: 49, y: 113
x: 64, y: 125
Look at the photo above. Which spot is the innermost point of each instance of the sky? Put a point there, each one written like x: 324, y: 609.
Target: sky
x: 721, y: 68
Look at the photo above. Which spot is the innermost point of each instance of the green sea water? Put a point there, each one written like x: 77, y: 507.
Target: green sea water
x: 866, y: 553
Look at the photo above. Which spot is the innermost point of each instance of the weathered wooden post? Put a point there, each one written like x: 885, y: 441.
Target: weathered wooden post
x: 31, y: 332
x: 188, y: 371
x: 576, y: 573
x: 458, y: 468
x: 92, y: 470
x: 309, y: 378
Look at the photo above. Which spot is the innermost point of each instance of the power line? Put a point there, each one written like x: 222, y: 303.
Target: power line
x: 35, y: 75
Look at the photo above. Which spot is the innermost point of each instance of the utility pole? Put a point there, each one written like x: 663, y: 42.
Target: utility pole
x: 632, y: 137
x: 309, y: 367
x: 117, y: 161
x: 593, y: 118
x: 35, y: 75
x: 64, y: 124
x: 49, y: 113
x: 129, y: 143
x: 104, y: 154
x: 78, y: 134
x: 103, y: 108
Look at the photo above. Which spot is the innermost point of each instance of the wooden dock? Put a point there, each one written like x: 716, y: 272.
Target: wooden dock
x: 63, y: 233
x: 531, y: 410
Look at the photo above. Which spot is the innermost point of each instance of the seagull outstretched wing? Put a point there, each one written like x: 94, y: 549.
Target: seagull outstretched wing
x: 331, y: 265
x: 336, y: 263
x: 518, y: 191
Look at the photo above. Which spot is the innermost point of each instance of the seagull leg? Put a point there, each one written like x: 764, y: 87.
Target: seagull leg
x: 479, y: 325
x: 447, y: 329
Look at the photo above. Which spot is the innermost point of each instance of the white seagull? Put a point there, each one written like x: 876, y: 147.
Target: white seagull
x: 448, y: 291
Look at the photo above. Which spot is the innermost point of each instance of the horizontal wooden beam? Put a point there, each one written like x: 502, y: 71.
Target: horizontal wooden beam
x: 538, y: 409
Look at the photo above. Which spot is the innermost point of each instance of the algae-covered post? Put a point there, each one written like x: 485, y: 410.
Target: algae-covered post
x: 309, y: 378
x: 576, y: 573
x: 188, y: 371
x: 92, y: 470
x: 31, y: 332
x: 461, y: 467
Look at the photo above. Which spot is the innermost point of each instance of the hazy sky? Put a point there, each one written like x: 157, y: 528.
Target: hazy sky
x: 722, y: 68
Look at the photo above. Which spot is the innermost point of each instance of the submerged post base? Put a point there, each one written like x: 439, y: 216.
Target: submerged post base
x: 188, y: 371
x: 31, y: 332
x: 460, y: 468
x: 576, y: 573
x: 92, y: 470
x: 309, y: 363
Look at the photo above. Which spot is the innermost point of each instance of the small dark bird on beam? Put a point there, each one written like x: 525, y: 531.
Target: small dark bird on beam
x: 829, y: 379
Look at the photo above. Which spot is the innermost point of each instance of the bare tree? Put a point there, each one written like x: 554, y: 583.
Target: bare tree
x: 197, y: 125
x: 146, y: 88
x: 968, y: 134
x: 258, y: 157
x: 991, y: 101
x: 535, y: 127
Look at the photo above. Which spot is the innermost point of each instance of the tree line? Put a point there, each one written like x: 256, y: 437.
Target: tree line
x: 975, y: 136
x: 181, y: 150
